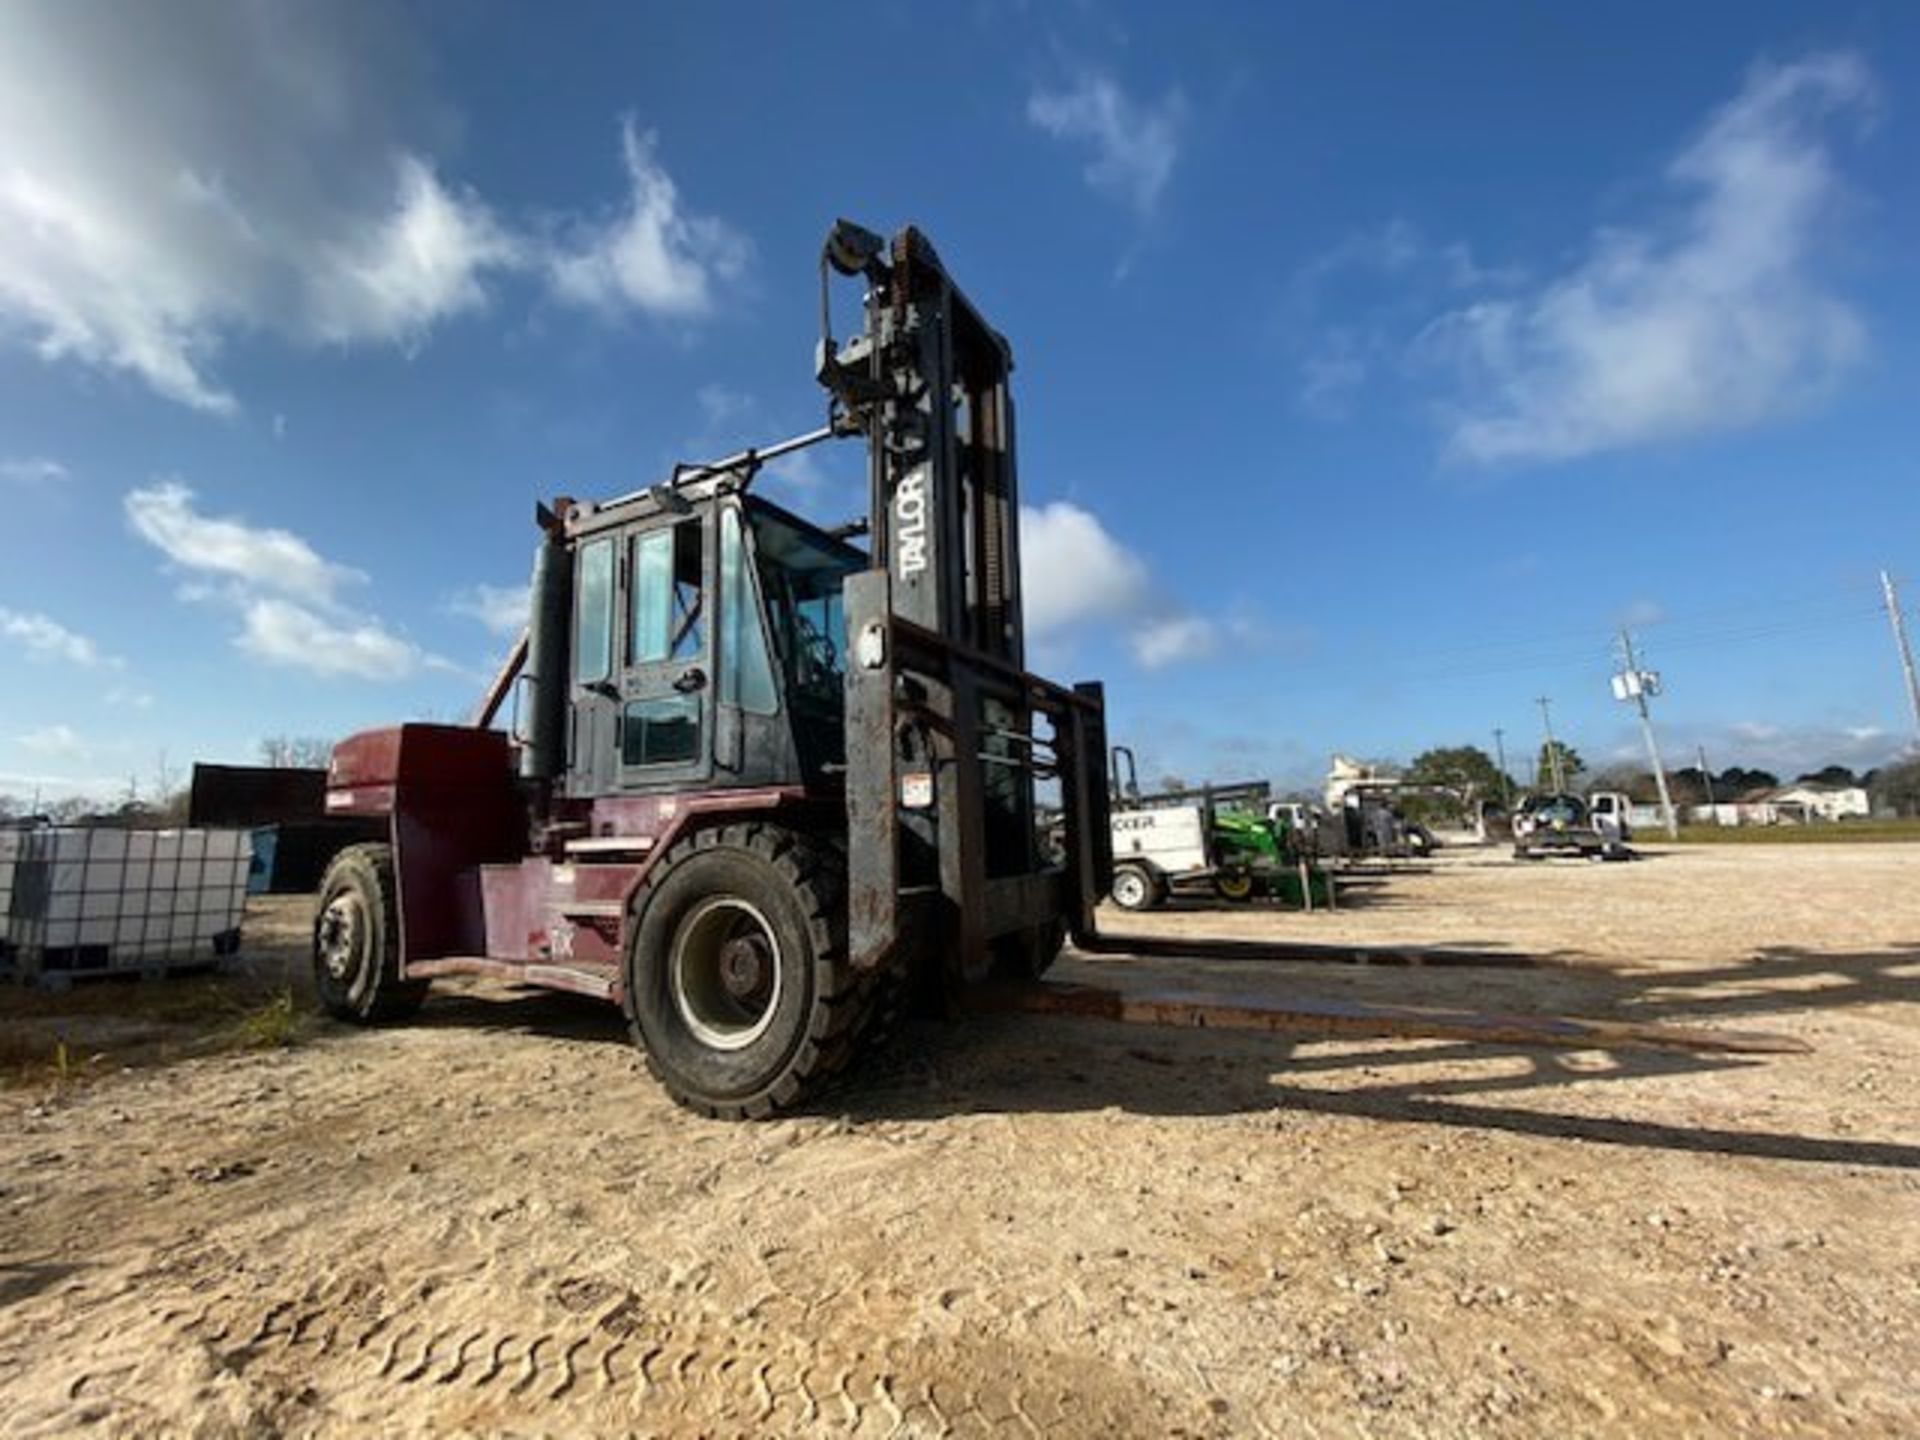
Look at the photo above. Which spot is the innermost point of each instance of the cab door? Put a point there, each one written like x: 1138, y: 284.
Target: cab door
x: 594, y: 691
x: 665, y: 724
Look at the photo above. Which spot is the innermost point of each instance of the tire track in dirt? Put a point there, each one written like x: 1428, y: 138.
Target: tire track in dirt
x: 357, y: 1348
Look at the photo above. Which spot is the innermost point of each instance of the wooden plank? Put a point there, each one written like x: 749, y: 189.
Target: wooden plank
x: 1309, y: 1016
x: 1312, y: 952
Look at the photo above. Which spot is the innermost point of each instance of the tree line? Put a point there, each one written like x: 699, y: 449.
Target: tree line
x: 160, y: 802
x: 1472, y: 773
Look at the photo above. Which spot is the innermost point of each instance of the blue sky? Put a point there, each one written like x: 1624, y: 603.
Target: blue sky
x: 1375, y: 363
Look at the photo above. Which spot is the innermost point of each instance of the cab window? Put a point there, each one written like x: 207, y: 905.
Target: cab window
x: 661, y: 731
x: 668, y: 620
x: 746, y: 675
x: 593, y: 614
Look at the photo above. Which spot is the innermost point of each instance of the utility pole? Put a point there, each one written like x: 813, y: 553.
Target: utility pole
x: 1706, y: 775
x: 1500, y: 753
x: 1900, y: 639
x: 1634, y: 685
x: 1553, y: 749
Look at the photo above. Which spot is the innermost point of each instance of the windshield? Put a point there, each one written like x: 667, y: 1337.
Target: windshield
x: 1558, y: 810
x: 801, y: 572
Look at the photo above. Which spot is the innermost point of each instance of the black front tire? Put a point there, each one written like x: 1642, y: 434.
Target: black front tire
x: 356, y: 940
x: 738, y: 989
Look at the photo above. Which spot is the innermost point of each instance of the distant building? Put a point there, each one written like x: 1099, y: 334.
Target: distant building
x: 1821, y: 802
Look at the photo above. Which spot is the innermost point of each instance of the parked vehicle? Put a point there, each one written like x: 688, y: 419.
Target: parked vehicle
x: 1219, y: 837
x: 1612, y: 812
x: 1558, y: 824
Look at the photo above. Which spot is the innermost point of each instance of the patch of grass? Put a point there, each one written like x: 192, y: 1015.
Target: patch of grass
x: 1842, y: 832
x: 60, y: 1039
x: 34, y: 1065
x: 278, y: 1024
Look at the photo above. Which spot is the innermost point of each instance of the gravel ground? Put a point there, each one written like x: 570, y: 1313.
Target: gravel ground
x: 489, y: 1221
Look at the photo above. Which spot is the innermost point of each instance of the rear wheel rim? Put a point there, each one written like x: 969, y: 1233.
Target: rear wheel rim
x: 725, y: 973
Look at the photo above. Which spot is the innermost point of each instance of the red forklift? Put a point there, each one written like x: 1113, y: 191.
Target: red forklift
x: 763, y: 781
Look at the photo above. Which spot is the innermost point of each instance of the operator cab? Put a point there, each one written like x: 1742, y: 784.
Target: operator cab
x: 703, y: 647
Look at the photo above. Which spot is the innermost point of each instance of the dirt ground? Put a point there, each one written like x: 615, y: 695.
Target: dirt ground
x: 490, y: 1222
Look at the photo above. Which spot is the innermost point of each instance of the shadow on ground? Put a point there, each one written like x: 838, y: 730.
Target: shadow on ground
x: 934, y: 1070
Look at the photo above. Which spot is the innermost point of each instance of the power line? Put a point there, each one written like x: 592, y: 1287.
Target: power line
x: 1591, y: 653
x: 1828, y: 597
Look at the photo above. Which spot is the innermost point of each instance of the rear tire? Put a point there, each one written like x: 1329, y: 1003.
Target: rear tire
x: 739, y: 991
x: 356, y: 940
x: 1234, y: 885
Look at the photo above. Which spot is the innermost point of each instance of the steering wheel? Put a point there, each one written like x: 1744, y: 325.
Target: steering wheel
x: 819, y: 659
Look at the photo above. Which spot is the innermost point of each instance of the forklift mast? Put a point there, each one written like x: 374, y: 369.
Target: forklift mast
x: 948, y: 735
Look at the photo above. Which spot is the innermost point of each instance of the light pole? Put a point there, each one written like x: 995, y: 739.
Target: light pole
x: 1553, y: 749
x: 1636, y: 684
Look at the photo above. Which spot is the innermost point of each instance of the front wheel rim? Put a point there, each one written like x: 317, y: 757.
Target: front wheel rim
x: 1130, y: 890
x: 726, y: 973
x: 338, y: 937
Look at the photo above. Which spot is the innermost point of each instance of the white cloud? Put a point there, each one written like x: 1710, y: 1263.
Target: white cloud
x: 53, y: 788
x: 503, y: 609
x: 725, y: 407
x: 163, y: 515
x: 656, y: 256
x: 1787, y: 750
x: 1715, y: 319
x: 1353, y: 304
x: 281, y: 632
x: 285, y: 591
x: 1135, y: 145
x: 421, y: 264
x: 53, y: 740
x: 32, y: 469
x: 121, y: 699
x: 45, y: 638
x: 1072, y: 571
x: 1333, y: 371
x: 1174, y: 638
x: 1075, y: 576
x: 263, y: 168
